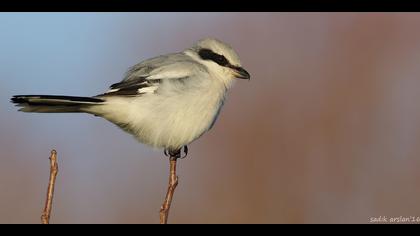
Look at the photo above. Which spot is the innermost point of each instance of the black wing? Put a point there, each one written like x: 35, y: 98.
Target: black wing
x: 132, y: 87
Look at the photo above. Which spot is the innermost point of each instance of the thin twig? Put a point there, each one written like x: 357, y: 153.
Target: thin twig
x: 173, y: 182
x: 45, y: 218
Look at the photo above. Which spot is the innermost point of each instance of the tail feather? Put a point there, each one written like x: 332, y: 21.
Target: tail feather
x: 53, y: 103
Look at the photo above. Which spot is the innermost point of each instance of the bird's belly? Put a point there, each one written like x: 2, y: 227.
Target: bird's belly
x: 178, y: 127
x: 162, y: 123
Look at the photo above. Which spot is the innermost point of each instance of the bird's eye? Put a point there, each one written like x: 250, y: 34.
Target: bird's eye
x: 207, y: 54
x: 221, y: 60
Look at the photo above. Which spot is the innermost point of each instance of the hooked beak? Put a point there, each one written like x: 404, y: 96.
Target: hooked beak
x: 240, y: 72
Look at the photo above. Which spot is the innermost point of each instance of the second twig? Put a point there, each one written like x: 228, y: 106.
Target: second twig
x: 45, y: 218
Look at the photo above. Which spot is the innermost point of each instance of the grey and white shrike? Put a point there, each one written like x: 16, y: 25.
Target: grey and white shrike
x: 165, y: 102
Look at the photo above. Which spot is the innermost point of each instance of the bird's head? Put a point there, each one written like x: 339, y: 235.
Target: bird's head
x: 220, y: 58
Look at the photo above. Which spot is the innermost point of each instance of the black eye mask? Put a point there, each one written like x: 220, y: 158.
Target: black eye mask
x: 207, y: 54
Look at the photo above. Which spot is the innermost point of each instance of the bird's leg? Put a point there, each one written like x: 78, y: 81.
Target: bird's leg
x: 173, y: 182
x: 169, y: 153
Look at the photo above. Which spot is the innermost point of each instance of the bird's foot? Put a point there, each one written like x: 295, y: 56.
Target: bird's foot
x: 177, y: 153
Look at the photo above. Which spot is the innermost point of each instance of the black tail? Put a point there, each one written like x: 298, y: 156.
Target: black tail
x: 53, y: 103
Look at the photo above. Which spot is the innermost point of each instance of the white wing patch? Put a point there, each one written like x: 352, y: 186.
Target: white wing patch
x: 112, y: 90
x: 150, y: 89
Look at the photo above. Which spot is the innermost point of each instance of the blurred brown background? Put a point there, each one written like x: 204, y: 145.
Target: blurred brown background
x: 326, y: 131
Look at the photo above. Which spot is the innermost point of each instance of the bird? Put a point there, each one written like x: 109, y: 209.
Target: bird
x: 165, y: 102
